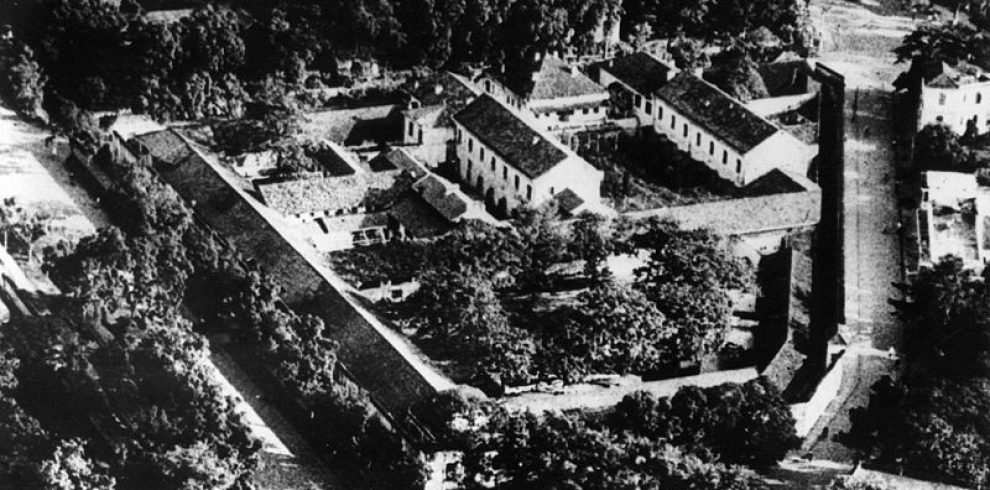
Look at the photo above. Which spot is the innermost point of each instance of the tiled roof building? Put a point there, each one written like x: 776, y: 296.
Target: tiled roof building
x: 632, y: 80
x: 721, y: 132
x: 556, y: 96
x: 510, y: 137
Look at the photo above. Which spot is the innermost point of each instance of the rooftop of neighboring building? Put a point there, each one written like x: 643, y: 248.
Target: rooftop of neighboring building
x: 567, y: 201
x: 711, y: 108
x: 354, y: 127
x: 512, y: 138
x: 315, y: 193
x: 641, y: 71
x: 553, y: 79
x: 944, y: 75
x: 439, y: 97
x: 445, y: 197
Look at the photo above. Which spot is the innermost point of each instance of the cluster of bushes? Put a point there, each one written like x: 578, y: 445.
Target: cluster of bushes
x: 687, y: 441
x: 931, y: 423
x: 483, y: 297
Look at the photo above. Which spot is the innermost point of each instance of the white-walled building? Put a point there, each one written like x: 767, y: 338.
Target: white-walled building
x: 953, y: 219
x: 559, y: 96
x: 632, y: 80
x: 427, y: 125
x: 514, y: 163
x: 721, y: 132
x: 954, y: 95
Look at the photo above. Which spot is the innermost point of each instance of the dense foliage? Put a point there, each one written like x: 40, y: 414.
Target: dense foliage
x: 645, y: 442
x: 491, y: 300
x: 748, y: 424
x: 720, y: 20
x: 209, y: 63
x: 938, y: 147
x: 115, y: 365
x: 932, y: 423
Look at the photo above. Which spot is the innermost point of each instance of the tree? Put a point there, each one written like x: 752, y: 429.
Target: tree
x: 593, y: 240
x: 23, y: 442
x: 523, y: 450
x: 932, y: 44
x: 747, y: 423
x: 70, y: 469
x: 457, y: 309
x: 24, y: 81
x: 937, y: 147
x: 688, y: 277
x: 934, y: 429
x: 612, y: 329
x: 737, y: 75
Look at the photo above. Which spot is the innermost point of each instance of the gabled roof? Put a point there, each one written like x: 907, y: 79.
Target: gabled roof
x: 714, y: 110
x: 446, y: 200
x: 518, y: 143
x: 568, y: 201
x: 439, y: 97
x: 554, y: 79
x: 641, y: 71
x: 397, y: 159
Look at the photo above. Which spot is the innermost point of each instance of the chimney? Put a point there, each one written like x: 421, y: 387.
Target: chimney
x: 536, y: 140
x: 574, y: 71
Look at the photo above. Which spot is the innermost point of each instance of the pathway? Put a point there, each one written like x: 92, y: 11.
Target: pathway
x: 859, y: 38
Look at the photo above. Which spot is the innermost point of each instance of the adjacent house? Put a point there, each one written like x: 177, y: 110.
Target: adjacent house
x: 631, y: 80
x: 721, y: 132
x: 955, y: 96
x: 558, y: 95
x: 952, y: 219
x: 427, y: 124
x: 513, y: 163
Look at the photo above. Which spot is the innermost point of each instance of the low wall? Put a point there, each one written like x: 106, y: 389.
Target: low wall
x: 807, y: 414
x: 744, y: 216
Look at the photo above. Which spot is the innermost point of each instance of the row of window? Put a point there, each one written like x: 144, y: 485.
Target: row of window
x: 467, y: 178
x: 492, y: 164
x: 697, y: 141
x: 942, y: 97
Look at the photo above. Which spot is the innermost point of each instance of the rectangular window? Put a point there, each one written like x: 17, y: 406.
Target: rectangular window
x: 517, y: 182
x: 505, y: 172
x: 493, y: 164
x: 697, y: 140
x: 551, y: 191
x: 725, y: 156
x: 685, y: 130
x: 639, y: 100
x: 482, y: 150
x: 470, y: 144
x: 673, y: 121
x: 411, y: 129
x: 529, y: 192
x: 659, y: 112
x: 711, y: 147
x: 738, y: 165
x: 941, y: 99
x: 649, y: 108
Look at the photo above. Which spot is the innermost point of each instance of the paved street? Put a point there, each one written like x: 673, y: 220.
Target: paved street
x: 859, y: 40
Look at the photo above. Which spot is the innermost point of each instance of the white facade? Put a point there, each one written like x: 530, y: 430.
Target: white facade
x: 955, y: 106
x: 507, y: 187
x: 428, y: 142
x: 642, y: 104
x: 555, y: 113
x: 781, y: 150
